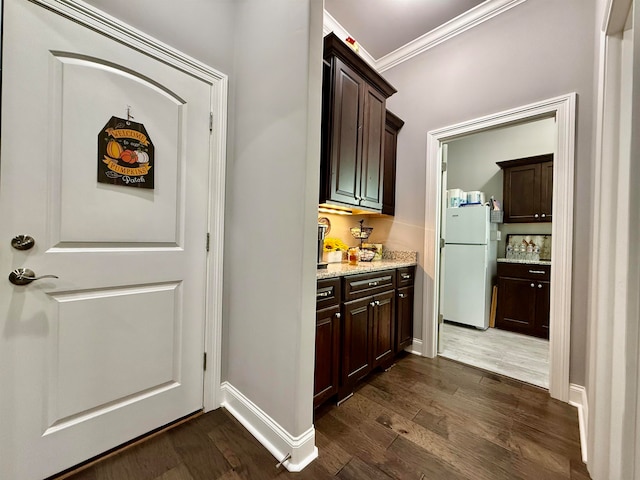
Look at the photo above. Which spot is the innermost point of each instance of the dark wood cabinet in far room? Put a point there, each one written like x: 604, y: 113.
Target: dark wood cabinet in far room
x: 524, y: 298
x: 528, y: 189
x: 353, y: 129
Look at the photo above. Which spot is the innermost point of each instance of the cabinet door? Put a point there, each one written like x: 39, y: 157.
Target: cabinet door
x: 346, y: 143
x: 372, y: 178
x: 543, y: 305
x: 327, y: 354
x: 384, y: 328
x: 404, y: 318
x: 522, y: 194
x: 516, y: 305
x: 546, y: 191
x: 356, y: 340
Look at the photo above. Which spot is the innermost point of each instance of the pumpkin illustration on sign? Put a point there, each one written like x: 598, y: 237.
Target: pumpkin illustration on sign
x: 129, y: 157
x: 125, y: 154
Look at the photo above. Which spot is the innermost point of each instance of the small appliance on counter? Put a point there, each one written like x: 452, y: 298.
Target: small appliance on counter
x: 322, y: 229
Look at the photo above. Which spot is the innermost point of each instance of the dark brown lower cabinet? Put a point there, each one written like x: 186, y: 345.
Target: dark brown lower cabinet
x: 328, y: 329
x: 404, y: 315
x: 367, y: 337
x: 523, y: 299
x: 359, y: 321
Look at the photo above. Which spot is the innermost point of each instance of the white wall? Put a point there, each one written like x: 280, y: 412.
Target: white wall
x: 537, y: 50
x: 272, y: 199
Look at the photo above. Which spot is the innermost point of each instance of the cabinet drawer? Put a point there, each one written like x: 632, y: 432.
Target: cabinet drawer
x: 405, y: 276
x: 359, y: 286
x: 328, y: 293
x: 524, y: 270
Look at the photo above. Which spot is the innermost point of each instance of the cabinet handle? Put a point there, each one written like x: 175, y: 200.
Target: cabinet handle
x: 539, y: 285
x: 536, y: 216
x: 402, y: 295
x: 533, y: 285
x: 323, y: 294
x: 338, y: 315
x: 540, y: 272
x: 373, y: 284
x: 405, y: 276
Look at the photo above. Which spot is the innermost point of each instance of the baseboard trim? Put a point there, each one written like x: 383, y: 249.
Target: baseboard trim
x: 415, y: 348
x: 268, y: 432
x: 578, y: 398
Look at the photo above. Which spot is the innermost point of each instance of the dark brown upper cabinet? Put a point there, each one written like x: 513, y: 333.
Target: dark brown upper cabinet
x: 393, y: 124
x: 353, y: 129
x: 528, y: 189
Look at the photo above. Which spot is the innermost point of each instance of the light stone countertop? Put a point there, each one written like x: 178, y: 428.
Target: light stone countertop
x: 343, y: 269
x: 517, y: 260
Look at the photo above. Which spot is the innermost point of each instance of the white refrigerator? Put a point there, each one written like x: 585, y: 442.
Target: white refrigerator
x: 469, y: 266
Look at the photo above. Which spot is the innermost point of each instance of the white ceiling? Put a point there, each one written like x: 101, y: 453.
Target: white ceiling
x: 382, y: 26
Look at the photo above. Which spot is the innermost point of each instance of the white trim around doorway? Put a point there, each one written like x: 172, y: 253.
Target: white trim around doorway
x: 111, y: 27
x: 563, y: 109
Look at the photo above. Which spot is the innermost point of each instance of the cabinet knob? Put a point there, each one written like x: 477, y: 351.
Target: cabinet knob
x: 402, y: 295
x: 539, y: 285
x: 533, y: 285
x: 377, y: 302
x: 543, y: 215
x: 372, y: 304
x: 536, y: 216
x: 338, y: 315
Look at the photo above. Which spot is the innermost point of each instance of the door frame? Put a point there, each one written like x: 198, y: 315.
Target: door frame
x: 94, y: 19
x: 563, y: 108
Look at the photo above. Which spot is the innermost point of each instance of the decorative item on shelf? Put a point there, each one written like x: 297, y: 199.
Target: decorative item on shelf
x: 362, y: 233
x: 353, y: 44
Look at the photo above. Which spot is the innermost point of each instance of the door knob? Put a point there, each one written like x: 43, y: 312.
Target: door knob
x: 22, y: 242
x: 24, y: 276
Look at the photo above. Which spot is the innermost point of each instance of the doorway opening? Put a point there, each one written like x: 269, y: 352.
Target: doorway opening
x: 495, y: 312
x: 562, y: 109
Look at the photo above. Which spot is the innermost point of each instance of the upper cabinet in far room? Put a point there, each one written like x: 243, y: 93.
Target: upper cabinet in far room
x: 353, y: 129
x: 528, y: 189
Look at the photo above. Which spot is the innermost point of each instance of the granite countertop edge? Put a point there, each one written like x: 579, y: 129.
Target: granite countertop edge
x: 334, y: 270
x: 530, y: 262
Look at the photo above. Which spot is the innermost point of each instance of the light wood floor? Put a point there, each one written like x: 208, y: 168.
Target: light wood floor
x: 511, y: 354
x: 425, y: 419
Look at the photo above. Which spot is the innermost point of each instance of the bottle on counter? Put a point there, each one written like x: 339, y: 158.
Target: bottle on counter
x: 354, y: 255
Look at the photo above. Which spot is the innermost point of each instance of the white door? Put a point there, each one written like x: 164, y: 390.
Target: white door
x: 113, y: 348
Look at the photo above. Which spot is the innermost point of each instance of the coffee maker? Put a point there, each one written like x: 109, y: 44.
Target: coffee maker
x: 322, y: 229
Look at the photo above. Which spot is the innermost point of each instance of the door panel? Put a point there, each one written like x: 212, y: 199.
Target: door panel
x: 112, y: 348
x: 383, y: 327
x: 346, y: 144
x: 373, y: 150
x: 80, y: 113
x: 356, y: 340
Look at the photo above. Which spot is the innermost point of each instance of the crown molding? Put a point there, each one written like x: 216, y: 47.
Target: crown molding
x: 474, y: 17
x: 330, y: 24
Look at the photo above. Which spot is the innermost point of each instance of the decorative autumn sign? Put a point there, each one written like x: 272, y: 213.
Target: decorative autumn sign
x: 125, y: 154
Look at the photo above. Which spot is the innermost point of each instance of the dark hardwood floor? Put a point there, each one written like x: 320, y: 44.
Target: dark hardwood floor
x: 423, y: 419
